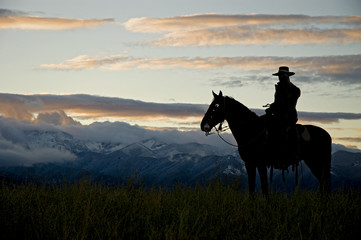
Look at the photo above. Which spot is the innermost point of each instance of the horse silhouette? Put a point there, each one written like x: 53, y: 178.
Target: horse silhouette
x: 257, y: 149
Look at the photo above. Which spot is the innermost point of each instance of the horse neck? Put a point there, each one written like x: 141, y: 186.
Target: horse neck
x: 242, y: 121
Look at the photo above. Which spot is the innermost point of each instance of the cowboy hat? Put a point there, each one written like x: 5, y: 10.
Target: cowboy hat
x: 283, y: 69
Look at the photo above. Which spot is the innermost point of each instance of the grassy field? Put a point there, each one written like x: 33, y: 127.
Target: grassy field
x: 88, y: 211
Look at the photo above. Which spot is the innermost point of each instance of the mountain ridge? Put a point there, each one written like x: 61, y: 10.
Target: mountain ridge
x: 157, y: 163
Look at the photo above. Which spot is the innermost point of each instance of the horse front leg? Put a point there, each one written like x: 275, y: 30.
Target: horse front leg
x: 262, y: 170
x: 251, y: 173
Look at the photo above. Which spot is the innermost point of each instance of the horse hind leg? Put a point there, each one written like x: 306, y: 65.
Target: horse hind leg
x: 325, y: 173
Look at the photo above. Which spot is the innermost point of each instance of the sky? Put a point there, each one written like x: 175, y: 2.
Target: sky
x: 155, y: 63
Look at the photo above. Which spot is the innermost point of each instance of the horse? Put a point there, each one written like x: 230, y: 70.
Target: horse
x: 257, y: 149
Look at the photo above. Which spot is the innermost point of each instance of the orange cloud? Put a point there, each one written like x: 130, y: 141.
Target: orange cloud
x: 348, y: 139
x: 218, y: 29
x: 248, y: 36
x: 56, y: 108
x: 59, y: 118
x: 211, y: 20
x: 40, y: 23
x: 347, y: 65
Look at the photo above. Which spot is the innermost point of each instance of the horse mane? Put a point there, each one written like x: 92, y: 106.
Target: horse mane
x: 240, y: 109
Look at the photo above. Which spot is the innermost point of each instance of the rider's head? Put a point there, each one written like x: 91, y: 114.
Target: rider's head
x: 283, y: 73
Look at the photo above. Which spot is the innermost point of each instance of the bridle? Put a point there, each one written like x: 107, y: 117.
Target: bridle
x: 220, y: 128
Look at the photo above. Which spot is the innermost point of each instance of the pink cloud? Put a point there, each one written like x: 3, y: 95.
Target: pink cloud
x: 41, y: 23
x: 332, y: 68
x: 221, y: 29
x: 211, y: 20
x: 251, y: 36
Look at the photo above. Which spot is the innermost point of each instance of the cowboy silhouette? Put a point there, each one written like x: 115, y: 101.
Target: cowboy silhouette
x: 282, y: 111
x: 286, y: 96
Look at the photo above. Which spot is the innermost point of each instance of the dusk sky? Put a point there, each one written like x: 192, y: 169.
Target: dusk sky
x: 155, y: 63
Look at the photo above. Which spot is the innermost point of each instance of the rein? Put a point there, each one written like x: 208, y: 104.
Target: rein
x: 264, y: 131
x: 220, y: 129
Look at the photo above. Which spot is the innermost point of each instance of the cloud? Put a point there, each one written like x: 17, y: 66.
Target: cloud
x: 327, y: 117
x: 229, y: 82
x: 354, y: 140
x: 121, y: 132
x: 320, y: 117
x: 220, y: 29
x: 24, y: 108
x: 211, y: 20
x: 18, y: 138
x: 54, y: 109
x: 341, y: 68
x: 16, y: 148
x: 58, y: 118
x: 90, y: 62
x: 250, y: 36
x: 25, y: 144
x: 10, y: 12
x: 20, y: 143
x: 11, y: 19
x: 14, y: 155
x: 349, y: 139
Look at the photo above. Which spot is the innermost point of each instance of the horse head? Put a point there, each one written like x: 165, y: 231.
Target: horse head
x: 215, y: 113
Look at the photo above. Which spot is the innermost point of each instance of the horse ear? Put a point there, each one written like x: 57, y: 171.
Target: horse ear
x: 214, y: 95
x: 220, y: 94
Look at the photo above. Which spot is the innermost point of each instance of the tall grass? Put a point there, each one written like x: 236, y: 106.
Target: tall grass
x: 88, y: 211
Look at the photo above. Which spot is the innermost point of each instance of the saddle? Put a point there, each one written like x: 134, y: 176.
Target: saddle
x: 284, y: 144
x: 286, y: 152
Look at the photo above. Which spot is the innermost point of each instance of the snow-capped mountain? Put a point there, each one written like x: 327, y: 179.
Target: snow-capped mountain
x: 151, y: 160
x: 65, y: 142
x: 159, y: 163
